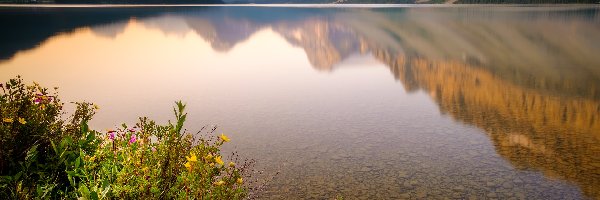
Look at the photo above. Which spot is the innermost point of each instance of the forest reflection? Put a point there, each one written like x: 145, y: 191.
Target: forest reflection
x: 529, y: 77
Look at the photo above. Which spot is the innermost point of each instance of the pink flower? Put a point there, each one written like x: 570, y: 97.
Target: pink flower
x: 132, y: 139
x: 153, y: 149
x: 111, y: 134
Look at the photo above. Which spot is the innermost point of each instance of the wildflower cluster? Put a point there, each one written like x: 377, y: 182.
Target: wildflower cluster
x: 155, y: 161
x: 58, y: 159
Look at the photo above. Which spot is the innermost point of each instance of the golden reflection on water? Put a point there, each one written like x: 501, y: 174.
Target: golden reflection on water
x: 523, y: 89
x: 530, y: 81
x: 554, y: 134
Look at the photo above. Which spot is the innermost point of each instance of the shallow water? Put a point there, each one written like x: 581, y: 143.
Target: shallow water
x: 361, y: 103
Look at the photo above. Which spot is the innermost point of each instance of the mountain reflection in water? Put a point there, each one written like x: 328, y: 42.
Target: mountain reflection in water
x: 529, y: 77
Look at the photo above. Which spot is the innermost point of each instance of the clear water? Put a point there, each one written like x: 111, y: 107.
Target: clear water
x: 361, y: 103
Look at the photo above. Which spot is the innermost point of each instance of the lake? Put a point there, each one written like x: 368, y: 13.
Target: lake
x: 374, y: 102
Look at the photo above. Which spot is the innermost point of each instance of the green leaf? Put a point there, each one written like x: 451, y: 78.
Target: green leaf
x: 70, y: 179
x: 18, y: 175
x: 54, y: 147
x: 77, y: 162
x: 94, y: 195
x: 5, y: 179
x: 84, y: 191
x: 84, y: 127
x: 39, y: 190
x: 90, y: 137
x: 31, y: 153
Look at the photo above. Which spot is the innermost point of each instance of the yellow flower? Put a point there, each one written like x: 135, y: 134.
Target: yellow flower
x: 7, y: 120
x: 208, y: 157
x: 96, y: 107
x: 22, y: 121
x: 231, y: 164
x: 240, y: 180
x: 224, y: 138
x: 218, y: 160
x: 145, y: 169
x: 43, y: 107
x: 191, y: 158
x: 211, y: 164
x: 92, y: 158
x: 218, y: 183
x: 188, y: 165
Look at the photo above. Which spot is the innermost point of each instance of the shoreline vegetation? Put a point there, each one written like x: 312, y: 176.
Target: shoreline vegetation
x: 43, y: 156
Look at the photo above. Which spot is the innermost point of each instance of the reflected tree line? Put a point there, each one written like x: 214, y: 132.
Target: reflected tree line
x: 529, y: 79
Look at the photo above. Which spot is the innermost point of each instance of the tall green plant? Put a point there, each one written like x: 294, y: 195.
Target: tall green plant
x: 163, y: 162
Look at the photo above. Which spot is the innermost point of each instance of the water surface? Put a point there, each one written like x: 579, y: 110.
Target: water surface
x: 362, y: 103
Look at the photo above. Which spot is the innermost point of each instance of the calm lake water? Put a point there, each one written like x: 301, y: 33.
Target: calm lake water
x: 362, y: 103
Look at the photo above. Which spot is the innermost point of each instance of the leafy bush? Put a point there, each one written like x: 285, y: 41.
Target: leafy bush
x: 43, y: 156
